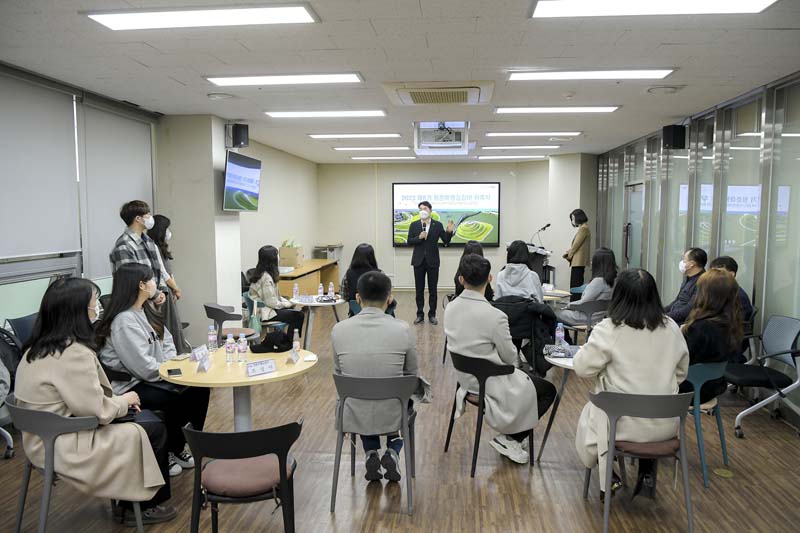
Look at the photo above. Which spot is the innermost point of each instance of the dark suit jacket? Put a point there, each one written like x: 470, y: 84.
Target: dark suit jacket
x: 427, y: 249
x: 679, y: 309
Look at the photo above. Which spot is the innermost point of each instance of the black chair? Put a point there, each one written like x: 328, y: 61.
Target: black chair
x: 23, y: 326
x: 246, y: 467
x: 222, y: 313
x: 482, y: 369
x: 749, y: 327
x: 447, y: 299
x: 48, y: 427
x: 778, y: 342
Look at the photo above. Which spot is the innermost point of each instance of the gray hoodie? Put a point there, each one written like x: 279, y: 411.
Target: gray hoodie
x: 518, y: 280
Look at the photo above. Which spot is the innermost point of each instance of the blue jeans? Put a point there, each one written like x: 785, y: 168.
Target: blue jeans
x: 373, y: 442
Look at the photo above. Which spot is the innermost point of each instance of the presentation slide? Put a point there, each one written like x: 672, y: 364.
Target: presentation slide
x: 474, y: 209
x: 242, y: 183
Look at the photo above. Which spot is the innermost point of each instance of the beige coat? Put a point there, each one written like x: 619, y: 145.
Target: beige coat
x: 633, y: 361
x: 113, y: 461
x: 265, y: 290
x: 578, y: 253
x: 474, y: 328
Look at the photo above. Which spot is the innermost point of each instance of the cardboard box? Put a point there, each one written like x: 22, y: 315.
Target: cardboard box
x: 291, y: 257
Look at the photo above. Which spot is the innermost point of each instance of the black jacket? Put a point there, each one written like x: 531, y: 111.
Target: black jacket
x: 709, y: 342
x: 679, y: 309
x: 528, y: 319
x: 427, y: 249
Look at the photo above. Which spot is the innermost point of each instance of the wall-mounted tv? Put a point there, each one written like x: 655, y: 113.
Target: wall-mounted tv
x: 473, y: 207
x: 242, y: 183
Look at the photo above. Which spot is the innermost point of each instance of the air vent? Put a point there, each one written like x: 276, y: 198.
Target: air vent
x: 439, y: 93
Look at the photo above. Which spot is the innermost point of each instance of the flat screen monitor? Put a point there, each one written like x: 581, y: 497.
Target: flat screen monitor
x: 242, y: 183
x: 474, y: 208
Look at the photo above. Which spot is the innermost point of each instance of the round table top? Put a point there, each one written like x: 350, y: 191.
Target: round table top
x: 557, y: 293
x: 315, y: 303
x: 563, y: 362
x: 222, y: 374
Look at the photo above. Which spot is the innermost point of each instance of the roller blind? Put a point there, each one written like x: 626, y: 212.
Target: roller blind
x: 38, y: 179
x: 117, y: 168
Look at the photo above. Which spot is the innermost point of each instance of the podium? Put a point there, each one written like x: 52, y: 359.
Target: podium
x: 539, y: 263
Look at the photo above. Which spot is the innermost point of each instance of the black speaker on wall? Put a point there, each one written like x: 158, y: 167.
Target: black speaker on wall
x: 674, y: 137
x: 240, y: 135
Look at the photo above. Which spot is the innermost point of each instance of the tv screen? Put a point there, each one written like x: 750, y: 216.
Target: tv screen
x: 473, y: 207
x: 242, y: 183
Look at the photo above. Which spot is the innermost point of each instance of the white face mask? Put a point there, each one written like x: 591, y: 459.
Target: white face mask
x: 682, y: 266
x: 151, y: 293
x: 424, y: 214
x: 149, y: 222
x: 168, y: 235
x: 96, y: 310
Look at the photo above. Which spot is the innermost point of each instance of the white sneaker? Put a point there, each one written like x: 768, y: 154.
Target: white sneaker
x: 512, y: 449
x: 174, y: 468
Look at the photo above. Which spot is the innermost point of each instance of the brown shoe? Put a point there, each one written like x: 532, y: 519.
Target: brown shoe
x: 153, y: 515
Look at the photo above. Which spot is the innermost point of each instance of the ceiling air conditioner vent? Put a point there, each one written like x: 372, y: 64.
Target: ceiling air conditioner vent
x: 439, y: 93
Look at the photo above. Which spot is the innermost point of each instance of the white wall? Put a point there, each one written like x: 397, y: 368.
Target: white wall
x: 363, y: 195
x: 287, y: 204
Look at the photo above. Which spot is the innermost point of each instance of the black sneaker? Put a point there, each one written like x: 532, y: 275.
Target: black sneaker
x: 419, y: 320
x: 154, y: 515
x: 432, y: 320
x: 391, y: 464
x: 373, y: 464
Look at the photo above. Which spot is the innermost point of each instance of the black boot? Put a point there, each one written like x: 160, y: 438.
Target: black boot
x: 616, y: 484
x: 646, y: 480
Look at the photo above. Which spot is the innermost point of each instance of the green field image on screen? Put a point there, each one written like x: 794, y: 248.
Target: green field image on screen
x: 240, y: 200
x: 481, y: 226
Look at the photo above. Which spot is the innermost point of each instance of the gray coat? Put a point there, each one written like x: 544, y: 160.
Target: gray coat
x: 373, y: 344
x: 597, y: 289
x: 476, y: 329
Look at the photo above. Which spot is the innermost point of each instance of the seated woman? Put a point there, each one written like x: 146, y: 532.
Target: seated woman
x: 636, y: 350
x: 517, y: 278
x: 128, y: 343
x: 713, y: 330
x: 363, y: 261
x: 472, y: 247
x: 60, y: 374
x: 604, y: 273
x: 264, y: 288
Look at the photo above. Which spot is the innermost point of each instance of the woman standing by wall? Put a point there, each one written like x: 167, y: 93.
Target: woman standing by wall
x: 578, y: 253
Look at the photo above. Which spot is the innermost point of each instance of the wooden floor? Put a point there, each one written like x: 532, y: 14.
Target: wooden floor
x: 761, y: 496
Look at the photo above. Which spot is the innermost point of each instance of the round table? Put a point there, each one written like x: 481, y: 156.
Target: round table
x: 567, y: 363
x: 555, y: 295
x: 222, y: 374
x: 312, y: 310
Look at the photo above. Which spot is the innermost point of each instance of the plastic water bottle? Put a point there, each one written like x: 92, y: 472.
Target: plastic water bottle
x: 295, y: 291
x: 320, y: 290
x: 230, y: 349
x: 242, y: 348
x: 294, y: 355
x: 212, y: 338
x: 331, y: 294
x: 560, y: 335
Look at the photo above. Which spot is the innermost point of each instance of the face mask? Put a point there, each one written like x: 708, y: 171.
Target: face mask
x: 151, y: 294
x: 149, y: 222
x: 168, y: 235
x: 682, y: 266
x: 96, y: 310
x: 424, y: 215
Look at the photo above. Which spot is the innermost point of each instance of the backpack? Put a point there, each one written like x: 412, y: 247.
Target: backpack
x: 10, y: 353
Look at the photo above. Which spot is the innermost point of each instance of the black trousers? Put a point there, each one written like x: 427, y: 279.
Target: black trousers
x: 576, y: 280
x: 179, y: 408
x: 419, y: 283
x: 545, y: 396
x: 293, y: 317
x: 157, y: 434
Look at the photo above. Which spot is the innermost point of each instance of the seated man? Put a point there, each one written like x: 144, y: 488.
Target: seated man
x: 692, y: 266
x: 376, y: 345
x: 729, y: 265
x: 514, y: 402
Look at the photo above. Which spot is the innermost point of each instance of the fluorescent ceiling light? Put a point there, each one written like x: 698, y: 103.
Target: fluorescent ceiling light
x: 620, y: 8
x: 293, y: 79
x: 193, y: 18
x: 680, y: 157
x: 376, y: 158
x: 790, y: 134
x: 354, y: 135
x: 520, y: 147
x: 708, y: 157
x: 751, y: 148
x: 511, y: 157
x: 327, y: 114
x: 558, y: 109
x: 534, y: 134
x: 751, y: 134
x: 366, y: 148
x: 642, y: 74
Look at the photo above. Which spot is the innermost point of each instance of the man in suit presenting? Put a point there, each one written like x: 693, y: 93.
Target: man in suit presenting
x: 424, y: 234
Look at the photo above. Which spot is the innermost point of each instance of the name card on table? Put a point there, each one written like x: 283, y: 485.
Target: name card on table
x: 199, y: 352
x: 258, y: 368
